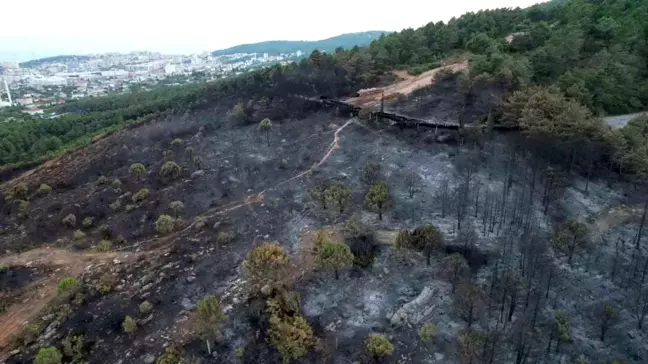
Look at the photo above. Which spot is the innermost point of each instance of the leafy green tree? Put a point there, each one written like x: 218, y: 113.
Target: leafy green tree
x: 177, y: 142
x: 165, y: 224
x: 129, y: 325
x: 377, y: 198
x: 49, y: 355
x: 141, y: 195
x: 67, y: 286
x: 334, y: 256
x: 138, y: 170
x: 570, y: 236
x: 265, y: 126
x: 427, y: 332
x: 189, y: 152
x: 292, y: 336
x: 170, y: 170
x: 172, y: 355
x: 470, y: 344
x: 454, y: 267
x: 69, y: 220
x: 267, y: 267
x: 73, y: 347
x: 208, y: 319
x: 338, y: 195
x: 176, y: 207
x: 427, y: 238
x: 19, y: 191
x: 146, y: 307
x: 378, y: 346
x: 44, y: 190
x: 354, y: 228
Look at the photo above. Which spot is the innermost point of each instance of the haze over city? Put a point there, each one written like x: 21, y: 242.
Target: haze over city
x: 74, y: 27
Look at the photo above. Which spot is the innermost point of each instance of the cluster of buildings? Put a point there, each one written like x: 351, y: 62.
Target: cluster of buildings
x: 39, y: 84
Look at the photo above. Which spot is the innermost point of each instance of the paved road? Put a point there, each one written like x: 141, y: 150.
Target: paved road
x: 620, y: 121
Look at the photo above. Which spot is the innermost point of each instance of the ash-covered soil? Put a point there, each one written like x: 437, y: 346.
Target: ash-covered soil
x: 257, y: 193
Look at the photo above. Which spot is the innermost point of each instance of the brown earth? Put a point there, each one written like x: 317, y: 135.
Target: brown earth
x: 33, y: 298
x: 407, y: 84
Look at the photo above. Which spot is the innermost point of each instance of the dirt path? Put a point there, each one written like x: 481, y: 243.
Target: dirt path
x: 32, y: 299
x: 407, y: 84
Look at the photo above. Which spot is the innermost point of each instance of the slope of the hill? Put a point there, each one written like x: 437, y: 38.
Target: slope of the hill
x: 275, y: 47
x: 493, y: 290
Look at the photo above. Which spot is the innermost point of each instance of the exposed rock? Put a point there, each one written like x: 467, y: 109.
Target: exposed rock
x: 149, y: 359
x: 415, y: 310
x: 198, y: 173
x: 187, y: 304
x: 191, y: 279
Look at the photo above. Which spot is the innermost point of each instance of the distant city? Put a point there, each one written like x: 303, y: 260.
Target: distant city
x: 37, y: 85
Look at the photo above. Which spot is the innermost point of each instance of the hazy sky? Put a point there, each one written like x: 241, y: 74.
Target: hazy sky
x: 46, y: 27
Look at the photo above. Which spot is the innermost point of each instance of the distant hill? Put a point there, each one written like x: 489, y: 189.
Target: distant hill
x: 62, y: 58
x: 288, y: 46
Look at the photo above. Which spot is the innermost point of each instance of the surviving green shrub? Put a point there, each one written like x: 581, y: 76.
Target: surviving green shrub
x: 130, y: 207
x: 69, y: 220
x: 106, y: 283
x: 165, y: 224
x: 115, y: 205
x: 292, y: 336
x: 25, y: 336
x: 116, y: 184
x: 87, y: 222
x: 49, y: 355
x: 67, y: 285
x: 378, y: 345
x: 226, y: 237
x: 334, y: 256
x: 176, y: 207
x: 177, y: 142
x: 428, y: 332
x: 129, y: 325
x: 200, y: 222
x: 377, y: 198
x: 73, y: 348
x: 105, y: 231
x: 137, y: 168
x: 23, y: 205
x: 19, y: 191
x: 170, y: 170
x: 104, y: 246
x: 102, y: 180
x: 141, y: 195
x: 171, y: 355
x: 267, y: 265
x: 338, y: 195
x: 354, y: 228
x: 145, y: 307
x: 4, y: 268
x: 78, y: 235
x: 44, y: 190
x: 239, y: 352
x: 198, y: 163
x: 209, y: 316
x: 189, y: 152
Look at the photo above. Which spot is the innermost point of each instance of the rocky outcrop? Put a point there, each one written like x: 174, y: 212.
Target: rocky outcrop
x: 416, y: 310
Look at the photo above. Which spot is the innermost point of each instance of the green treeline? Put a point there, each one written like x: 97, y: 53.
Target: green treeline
x: 576, y: 52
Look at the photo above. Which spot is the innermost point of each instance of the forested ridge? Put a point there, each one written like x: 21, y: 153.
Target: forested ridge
x: 574, y: 53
